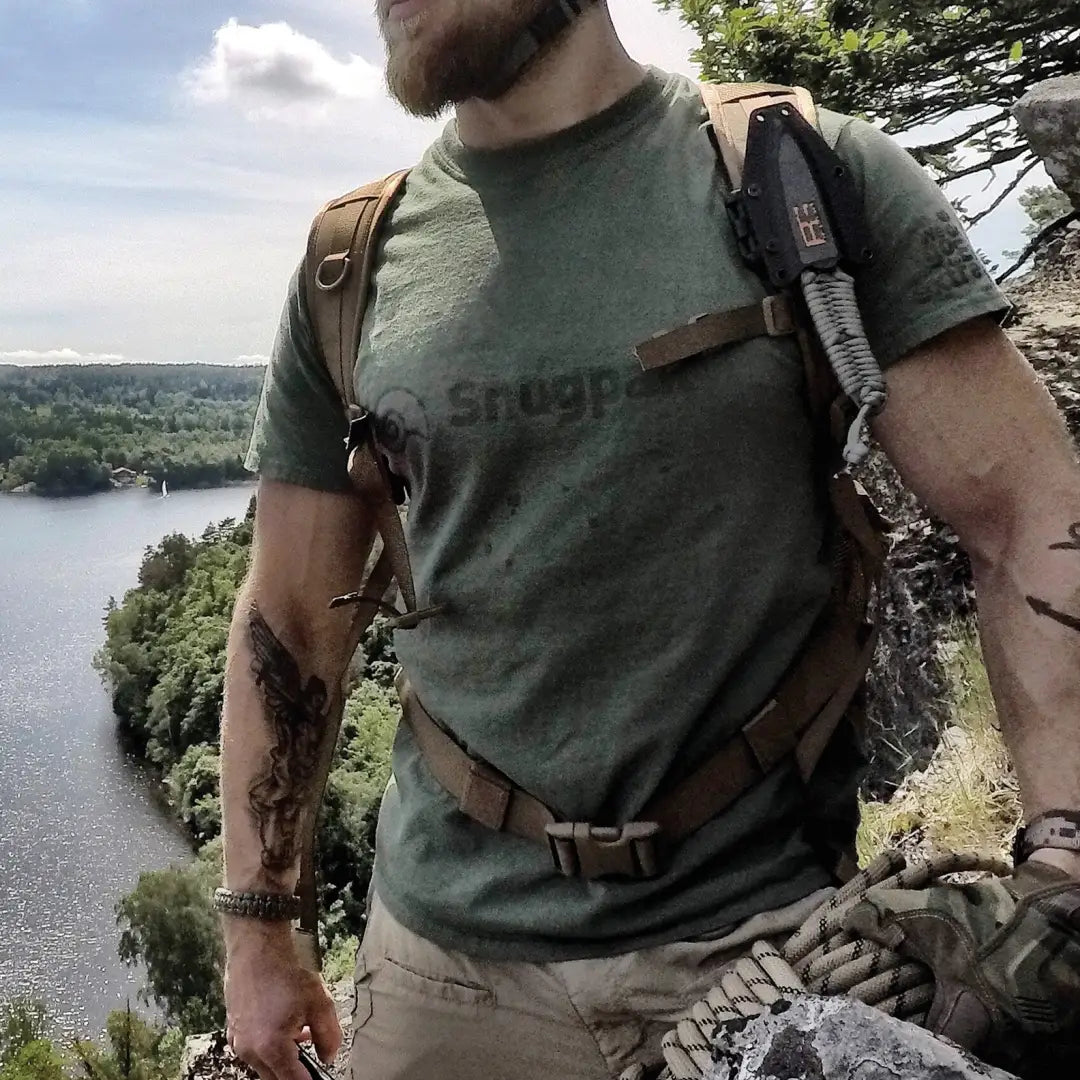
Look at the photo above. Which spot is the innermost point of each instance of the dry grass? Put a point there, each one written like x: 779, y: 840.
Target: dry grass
x: 967, y: 799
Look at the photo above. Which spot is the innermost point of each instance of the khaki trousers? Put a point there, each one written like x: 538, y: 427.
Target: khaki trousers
x: 426, y: 1013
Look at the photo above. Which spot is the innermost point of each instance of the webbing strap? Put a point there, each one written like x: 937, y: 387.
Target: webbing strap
x: 817, y: 680
x: 730, y: 106
x: 368, y: 475
x: 808, y: 704
x: 772, y: 317
x: 340, y: 257
x: 341, y: 252
x: 482, y: 792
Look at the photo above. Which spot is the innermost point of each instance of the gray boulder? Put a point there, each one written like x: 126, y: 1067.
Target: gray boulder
x: 839, y: 1039
x: 1049, y: 114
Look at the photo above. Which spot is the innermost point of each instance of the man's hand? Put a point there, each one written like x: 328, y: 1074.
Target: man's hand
x: 1005, y: 953
x: 273, y: 1002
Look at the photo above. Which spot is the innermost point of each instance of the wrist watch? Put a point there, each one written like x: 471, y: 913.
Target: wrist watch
x: 1054, y: 829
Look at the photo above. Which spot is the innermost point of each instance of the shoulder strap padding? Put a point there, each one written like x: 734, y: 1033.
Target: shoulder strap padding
x: 730, y: 106
x: 341, y: 253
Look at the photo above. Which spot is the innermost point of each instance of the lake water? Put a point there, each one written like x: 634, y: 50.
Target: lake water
x: 78, y: 819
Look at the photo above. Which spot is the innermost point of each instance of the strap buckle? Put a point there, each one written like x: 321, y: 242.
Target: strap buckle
x: 579, y: 849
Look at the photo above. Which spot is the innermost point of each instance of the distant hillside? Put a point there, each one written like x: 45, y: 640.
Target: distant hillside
x: 73, y: 429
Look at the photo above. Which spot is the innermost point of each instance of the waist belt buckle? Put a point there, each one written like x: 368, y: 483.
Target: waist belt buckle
x: 579, y: 849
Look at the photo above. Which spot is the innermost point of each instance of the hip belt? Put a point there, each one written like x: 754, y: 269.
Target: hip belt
x: 797, y: 722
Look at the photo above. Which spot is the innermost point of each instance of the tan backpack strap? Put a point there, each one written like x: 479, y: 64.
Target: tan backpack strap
x: 340, y: 255
x: 730, y: 106
x: 797, y: 721
x: 341, y: 252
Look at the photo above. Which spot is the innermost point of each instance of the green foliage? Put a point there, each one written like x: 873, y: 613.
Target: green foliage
x: 906, y: 63
x: 1043, y: 205
x: 194, y: 787
x: 36, y: 1060
x: 65, y: 429
x: 22, y: 1021
x: 354, y: 791
x: 340, y: 961
x: 163, y: 661
x: 131, y: 1050
x: 169, y: 925
x: 164, y: 653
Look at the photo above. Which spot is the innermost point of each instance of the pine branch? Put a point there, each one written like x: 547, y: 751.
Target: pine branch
x: 1038, y: 241
x: 1009, y: 189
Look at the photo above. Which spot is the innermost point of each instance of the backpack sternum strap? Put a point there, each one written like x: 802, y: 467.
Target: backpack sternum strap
x: 772, y: 317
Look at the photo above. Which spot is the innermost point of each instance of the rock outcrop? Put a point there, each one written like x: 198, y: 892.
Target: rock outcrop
x: 1049, y: 114
x: 838, y: 1039
x: 929, y: 578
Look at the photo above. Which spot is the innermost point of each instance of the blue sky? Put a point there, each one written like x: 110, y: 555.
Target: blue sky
x: 160, y: 163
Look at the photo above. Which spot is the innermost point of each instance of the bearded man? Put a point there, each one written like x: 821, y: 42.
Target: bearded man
x: 626, y: 563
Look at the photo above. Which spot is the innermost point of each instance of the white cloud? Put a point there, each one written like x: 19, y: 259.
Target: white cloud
x: 41, y: 357
x: 252, y: 358
x: 272, y: 70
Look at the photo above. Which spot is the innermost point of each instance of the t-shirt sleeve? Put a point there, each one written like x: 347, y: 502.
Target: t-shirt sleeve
x: 925, y: 277
x: 300, y: 425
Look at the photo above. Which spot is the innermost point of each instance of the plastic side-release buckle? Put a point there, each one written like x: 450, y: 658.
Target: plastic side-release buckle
x: 361, y: 432
x: 579, y: 849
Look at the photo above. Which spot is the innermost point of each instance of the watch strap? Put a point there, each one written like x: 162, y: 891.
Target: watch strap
x: 1054, y: 829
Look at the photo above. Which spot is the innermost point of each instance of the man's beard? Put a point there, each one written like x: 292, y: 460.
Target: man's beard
x: 431, y: 67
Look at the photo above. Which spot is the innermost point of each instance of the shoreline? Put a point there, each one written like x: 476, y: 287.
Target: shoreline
x: 150, y: 491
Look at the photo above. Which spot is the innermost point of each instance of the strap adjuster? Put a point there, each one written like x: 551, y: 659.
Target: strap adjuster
x: 779, y: 321
x: 486, y: 795
x: 579, y: 849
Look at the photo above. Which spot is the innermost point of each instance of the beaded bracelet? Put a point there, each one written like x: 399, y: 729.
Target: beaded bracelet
x: 257, y: 905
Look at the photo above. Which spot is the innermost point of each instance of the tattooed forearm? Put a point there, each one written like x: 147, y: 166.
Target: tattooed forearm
x: 296, y: 714
x: 1041, y: 607
x: 1073, y: 543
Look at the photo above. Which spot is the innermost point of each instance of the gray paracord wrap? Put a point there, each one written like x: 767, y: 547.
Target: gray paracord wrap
x: 830, y: 298
x: 821, y: 957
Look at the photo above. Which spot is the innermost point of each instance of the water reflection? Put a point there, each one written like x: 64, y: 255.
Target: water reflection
x: 78, y: 819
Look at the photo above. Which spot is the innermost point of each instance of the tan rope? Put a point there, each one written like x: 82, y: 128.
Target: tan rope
x: 821, y: 957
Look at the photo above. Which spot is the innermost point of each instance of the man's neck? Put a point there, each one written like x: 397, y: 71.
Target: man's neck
x: 579, y: 78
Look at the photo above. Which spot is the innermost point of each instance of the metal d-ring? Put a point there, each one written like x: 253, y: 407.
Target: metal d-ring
x: 346, y: 263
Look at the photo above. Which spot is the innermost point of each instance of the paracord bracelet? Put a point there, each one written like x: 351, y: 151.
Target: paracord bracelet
x: 257, y: 905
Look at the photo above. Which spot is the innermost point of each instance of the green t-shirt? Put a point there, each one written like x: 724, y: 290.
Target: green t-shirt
x: 629, y: 561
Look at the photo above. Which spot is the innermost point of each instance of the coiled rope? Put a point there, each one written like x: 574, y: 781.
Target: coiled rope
x: 821, y: 957
x: 830, y: 298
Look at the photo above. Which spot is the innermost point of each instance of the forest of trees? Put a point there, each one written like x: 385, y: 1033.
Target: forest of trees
x: 65, y: 429
x: 163, y: 661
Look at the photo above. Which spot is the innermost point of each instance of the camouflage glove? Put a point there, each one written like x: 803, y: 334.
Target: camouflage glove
x: 1005, y: 954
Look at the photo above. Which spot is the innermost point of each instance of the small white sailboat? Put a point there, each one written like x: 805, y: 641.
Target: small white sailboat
x: 164, y: 489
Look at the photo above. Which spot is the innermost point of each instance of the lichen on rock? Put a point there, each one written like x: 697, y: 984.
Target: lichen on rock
x: 818, y: 1038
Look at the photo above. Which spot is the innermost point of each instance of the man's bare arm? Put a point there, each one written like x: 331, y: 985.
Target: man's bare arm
x: 287, y: 656
x: 976, y: 436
